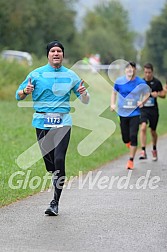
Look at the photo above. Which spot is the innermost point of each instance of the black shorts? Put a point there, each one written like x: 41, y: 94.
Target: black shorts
x: 151, y: 116
x: 129, y: 129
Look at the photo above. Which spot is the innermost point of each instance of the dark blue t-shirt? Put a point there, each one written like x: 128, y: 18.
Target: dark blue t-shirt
x: 129, y: 93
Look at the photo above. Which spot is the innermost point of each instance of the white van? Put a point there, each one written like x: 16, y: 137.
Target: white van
x: 21, y: 57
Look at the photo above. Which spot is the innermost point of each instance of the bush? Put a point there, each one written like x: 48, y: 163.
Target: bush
x: 12, y: 74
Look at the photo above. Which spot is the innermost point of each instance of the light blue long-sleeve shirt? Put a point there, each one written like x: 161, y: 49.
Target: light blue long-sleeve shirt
x: 52, y: 90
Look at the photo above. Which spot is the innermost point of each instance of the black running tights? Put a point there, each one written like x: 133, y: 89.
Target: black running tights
x: 53, y: 144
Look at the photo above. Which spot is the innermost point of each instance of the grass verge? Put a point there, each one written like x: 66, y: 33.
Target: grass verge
x: 17, y: 135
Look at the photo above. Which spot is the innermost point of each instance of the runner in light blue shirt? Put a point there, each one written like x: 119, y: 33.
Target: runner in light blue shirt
x: 51, y: 92
x: 51, y: 86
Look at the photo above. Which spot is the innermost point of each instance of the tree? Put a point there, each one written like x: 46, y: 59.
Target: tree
x: 30, y: 24
x: 106, y: 31
x: 155, y: 49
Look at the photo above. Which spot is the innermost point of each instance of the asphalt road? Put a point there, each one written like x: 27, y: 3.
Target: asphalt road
x: 109, y: 209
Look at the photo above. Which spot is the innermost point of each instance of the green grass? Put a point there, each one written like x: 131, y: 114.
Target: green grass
x: 17, y: 135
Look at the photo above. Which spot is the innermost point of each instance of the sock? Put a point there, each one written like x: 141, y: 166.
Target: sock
x: 154, y: 147
x: 143, y: 148
x: 131, y: 159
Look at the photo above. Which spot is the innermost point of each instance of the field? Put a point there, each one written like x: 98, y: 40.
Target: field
x: 17, y: 135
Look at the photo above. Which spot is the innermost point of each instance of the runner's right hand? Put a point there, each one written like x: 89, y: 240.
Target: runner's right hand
x: 29, y: 88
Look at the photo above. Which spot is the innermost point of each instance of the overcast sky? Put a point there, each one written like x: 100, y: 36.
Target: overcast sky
x: 140, y: 11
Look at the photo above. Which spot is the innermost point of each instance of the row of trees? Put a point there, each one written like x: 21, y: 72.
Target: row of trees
x: 106, y: 30
x: 30, y: 24
x: 156, y: 42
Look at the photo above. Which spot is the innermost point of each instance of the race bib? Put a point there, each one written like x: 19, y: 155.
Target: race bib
x: 52, y: 120
x: 130, y: 103
x: 150, y: 102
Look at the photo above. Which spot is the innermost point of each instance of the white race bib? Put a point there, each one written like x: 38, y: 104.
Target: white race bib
x: 130, y: 103
x: 52, y: 120
x: 150, y: 102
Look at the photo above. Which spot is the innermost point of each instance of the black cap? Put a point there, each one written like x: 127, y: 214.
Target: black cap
x: 54, y: 43
x: 131, y: 63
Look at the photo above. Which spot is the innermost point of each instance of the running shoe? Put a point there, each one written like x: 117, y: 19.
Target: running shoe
x: 155, y: 156
x: 129, y: 165
x: 143, y: 155
x: 52, y: 210
x: 128, y: 145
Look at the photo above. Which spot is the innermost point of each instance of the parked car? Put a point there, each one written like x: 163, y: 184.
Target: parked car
x: 21, y: 57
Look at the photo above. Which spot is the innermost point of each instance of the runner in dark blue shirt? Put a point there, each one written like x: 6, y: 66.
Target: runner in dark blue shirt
x: 132, y: 93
